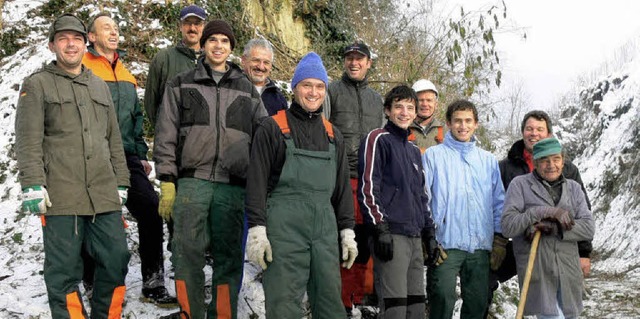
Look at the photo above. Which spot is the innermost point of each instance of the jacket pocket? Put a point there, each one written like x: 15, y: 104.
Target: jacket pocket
x: 235, y: 158
x: 194, y: 109
x: 240, y: 115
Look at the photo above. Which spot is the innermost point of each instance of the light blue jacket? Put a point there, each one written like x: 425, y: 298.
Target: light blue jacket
x: 466, y: 194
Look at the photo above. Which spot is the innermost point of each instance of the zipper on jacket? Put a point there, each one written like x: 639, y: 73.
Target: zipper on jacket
x: 217, y: 151
x: 359, y: 111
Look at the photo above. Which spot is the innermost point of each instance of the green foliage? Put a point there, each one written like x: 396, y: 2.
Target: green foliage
x: 327, y: 27
x: 9, y: 42
x: 233, y: 12
x: 17, y: 238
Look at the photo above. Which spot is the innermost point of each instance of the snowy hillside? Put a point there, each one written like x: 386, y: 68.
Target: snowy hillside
x: 601, y: 128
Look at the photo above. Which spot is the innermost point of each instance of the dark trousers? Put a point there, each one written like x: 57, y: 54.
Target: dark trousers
x: 103, y: 238
x: 142, y: 203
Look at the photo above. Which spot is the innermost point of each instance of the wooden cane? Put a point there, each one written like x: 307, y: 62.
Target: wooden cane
x: 527, y: 276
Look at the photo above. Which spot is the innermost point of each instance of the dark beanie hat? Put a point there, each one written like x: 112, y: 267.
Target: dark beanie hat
x: 217, y: 27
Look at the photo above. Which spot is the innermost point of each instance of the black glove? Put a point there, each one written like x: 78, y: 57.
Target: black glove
x: 383, y: 242
x: 435, y: 254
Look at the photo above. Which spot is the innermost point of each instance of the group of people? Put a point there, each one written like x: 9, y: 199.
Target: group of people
x: 343, y: 195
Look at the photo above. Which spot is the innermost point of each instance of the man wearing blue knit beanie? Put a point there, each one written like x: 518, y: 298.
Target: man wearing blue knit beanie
x: 298, y: 186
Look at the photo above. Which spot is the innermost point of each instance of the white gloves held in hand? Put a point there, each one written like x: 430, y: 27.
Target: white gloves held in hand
x: 258, y: 246
x: 349, y: 247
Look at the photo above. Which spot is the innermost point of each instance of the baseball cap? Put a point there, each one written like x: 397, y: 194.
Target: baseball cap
x: 67, y: 22
x: 357, y: 47
x: 192, y: 11
x: 546, y: 147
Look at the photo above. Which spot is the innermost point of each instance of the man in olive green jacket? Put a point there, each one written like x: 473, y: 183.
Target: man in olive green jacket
x: 170, y: 61
x: 73, y: 174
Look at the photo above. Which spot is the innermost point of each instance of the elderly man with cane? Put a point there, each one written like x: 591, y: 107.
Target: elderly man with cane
x: 545, y: 201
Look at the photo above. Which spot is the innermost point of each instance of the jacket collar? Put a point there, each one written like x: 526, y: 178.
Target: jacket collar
x: 299, y: 112
x: 434, y: 123
x: 396, y: 130
x: 82, y: 78
x: 203, y: 72
x: 184, y: 49
x: 119, y: 53
x: 462, y: 147
x: 516, y: 151
x: 358, y: 84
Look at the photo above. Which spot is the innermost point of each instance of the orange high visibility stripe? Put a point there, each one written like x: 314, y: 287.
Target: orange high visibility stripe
x: 223, y: 302
x: 281, y: 120
x: 183, y: 300
x: 74, y: 306
x: 124, y: 221
x: 368, y: 277
x: 101, y: 67
x: 43, y: 221
x: 115, y: 309
x: 440, y: 136
x: 328, y: 127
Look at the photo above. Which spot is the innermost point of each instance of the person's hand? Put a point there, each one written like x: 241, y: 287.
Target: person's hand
x: 564, y: 218
x: 499, y: 251
x: 585, y: 265
x: 560, y: 215
x: 167, y: 197
x: 383, y: 242
x: 349, y: 247
x: 35, y: 199
x: 123, y: 193
x: 435, y: 252
x: 259, y: 247
x: 146, y: 166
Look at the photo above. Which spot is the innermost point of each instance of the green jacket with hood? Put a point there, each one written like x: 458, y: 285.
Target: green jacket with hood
x: 67, y: 139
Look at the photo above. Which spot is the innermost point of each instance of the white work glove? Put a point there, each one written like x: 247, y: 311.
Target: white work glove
x: 35, y: 199
x: 258, y: 246
x: 123, y: 193
x: 349, y: 247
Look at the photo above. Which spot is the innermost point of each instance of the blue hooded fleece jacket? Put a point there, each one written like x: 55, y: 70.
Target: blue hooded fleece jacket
x: 466, y: 194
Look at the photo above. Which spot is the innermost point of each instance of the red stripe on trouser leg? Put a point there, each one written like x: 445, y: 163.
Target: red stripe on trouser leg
x: 74, y: 306
x: 43, y: 220
x: 115, y: 309
x: 368, y: 277
x: 223, y: 303
x: 356, y: 207
x: 183, y: 300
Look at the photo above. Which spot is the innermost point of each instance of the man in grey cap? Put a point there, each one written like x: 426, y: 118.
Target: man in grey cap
x: 74, y: 175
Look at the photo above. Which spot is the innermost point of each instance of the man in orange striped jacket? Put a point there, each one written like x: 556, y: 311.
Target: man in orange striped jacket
x: 105, y: 60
